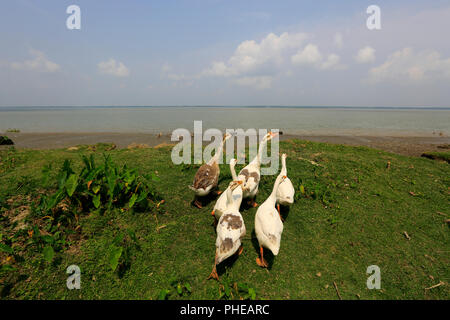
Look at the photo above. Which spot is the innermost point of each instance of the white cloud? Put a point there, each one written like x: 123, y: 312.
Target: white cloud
x: 338, y: 40
x: 406, y: 66
x: 332, y: 62
x: 40, y: 63
x: 219, y: 68
x: 260, y: 83
x: 311, y: 55
x: 365, y: 55
x: 113, y: 67
x: 250, y: 55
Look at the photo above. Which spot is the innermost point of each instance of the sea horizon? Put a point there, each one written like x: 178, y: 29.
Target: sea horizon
x: 56, y: 107
x: 292, y: 120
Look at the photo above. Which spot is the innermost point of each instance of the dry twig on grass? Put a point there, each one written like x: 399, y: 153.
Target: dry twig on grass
x: 310, y: 161
x: 441, y: 283
x: 160, y: 227
x: 337, y: 290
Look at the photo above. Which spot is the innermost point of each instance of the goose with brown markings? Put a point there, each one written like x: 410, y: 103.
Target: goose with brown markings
x: 251, y: 174
x: 222, y: 203
x: 207, y: 175
x: 230, y: 230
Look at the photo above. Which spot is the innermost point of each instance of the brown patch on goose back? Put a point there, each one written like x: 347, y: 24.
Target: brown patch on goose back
x: 206, y: 176
x: 234, y: 222
x: 226, y: 245
x: 255, y: 176
x: 244, y: 172
x: 248, y: 175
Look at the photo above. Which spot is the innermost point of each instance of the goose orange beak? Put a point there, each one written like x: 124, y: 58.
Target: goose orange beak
x: 273, y: 134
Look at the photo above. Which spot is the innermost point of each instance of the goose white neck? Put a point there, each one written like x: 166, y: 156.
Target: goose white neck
x: 283, y: 166
x: 273, y: 195
x: 262, y: 145
x: 229, y: 196
x: 218, y: 154
x: 233, y: 172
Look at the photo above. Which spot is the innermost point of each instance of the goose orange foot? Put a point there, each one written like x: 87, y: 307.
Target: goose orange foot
x: 240, y: 250
x: 261, y: 262
x: 213, y: 275
x: 252, y: 203
x: 198, y: 204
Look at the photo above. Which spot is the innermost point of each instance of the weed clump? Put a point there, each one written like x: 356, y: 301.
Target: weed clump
x: 99, y: 187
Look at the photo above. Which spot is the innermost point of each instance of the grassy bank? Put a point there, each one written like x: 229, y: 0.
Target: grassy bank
x: 359, y: 207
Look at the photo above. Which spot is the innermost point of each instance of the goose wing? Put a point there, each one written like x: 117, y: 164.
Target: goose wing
x: 206, y: 176
x: 270, y: 225
x: 230, y: 230
x: 286, y: 191
x: 249, y: 174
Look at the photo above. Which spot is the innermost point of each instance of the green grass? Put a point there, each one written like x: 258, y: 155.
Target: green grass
x: 354, y: 213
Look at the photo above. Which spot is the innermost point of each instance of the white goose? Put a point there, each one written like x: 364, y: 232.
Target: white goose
x: 222, y: 203
x: 207, y: 175
x: 268, y: 225
x: 285, y: 192
x: 251, y: 173
x: 230, y: 230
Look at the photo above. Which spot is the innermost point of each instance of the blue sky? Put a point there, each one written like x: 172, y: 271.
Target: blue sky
x: 225, y: 53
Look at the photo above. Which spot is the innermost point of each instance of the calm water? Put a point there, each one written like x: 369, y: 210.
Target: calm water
x: 301, y: 120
